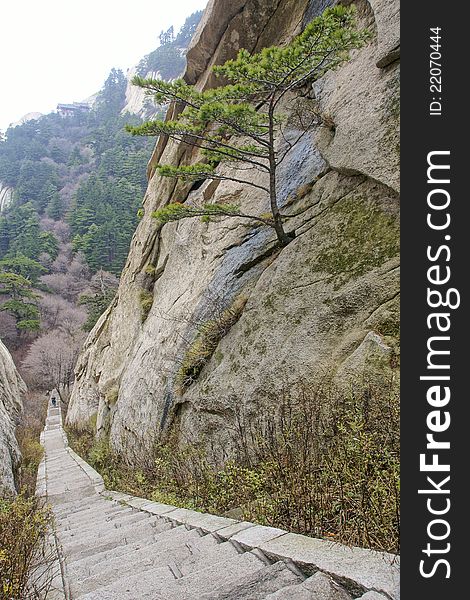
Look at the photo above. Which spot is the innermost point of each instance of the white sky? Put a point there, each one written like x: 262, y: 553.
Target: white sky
x: 62, y: 50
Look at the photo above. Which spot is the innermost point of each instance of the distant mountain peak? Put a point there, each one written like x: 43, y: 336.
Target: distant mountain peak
x: 31, y: 116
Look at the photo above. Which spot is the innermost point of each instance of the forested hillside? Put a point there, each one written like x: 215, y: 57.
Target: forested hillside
x: 82, y: 169
x: 75, y: 182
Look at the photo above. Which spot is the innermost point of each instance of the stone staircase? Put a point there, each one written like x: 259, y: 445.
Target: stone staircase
x: 112, y: 546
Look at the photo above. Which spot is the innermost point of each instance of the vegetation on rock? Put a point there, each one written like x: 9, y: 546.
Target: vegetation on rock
x: 98, y: 297
x: 26, y: 560
x: 209, y: 334
x: 146, y: 303
x: 168, y: 59
x: 241, y: 124
x: 319, y: 460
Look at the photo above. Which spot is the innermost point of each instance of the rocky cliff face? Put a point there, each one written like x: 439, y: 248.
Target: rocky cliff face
x: 329, y: 300
x: 6, y: 195
x: 136, y: 101
x: 12, y: 388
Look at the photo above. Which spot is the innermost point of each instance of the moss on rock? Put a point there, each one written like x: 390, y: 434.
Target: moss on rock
x: 364, y: 237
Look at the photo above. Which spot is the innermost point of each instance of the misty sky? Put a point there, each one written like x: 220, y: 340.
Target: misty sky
x: 62, y: 50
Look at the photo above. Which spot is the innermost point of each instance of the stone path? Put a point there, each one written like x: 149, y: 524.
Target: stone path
x: 113, y: 546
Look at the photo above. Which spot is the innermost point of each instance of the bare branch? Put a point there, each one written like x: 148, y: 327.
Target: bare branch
x: 293, y: 144
x: 187, y: 137
x: 218, y: 177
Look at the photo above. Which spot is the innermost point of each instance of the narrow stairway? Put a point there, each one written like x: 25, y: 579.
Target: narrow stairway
x: 116, y: 547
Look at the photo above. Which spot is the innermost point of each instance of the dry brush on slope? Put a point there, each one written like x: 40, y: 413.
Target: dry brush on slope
x: 321, y: 461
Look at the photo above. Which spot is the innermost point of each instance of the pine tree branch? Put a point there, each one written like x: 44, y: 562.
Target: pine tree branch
x: 188, y: 136
x: 217, y: 177
x: 292, y: 145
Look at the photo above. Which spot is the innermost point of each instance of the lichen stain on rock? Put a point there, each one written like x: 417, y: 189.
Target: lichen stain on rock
x: 363, y: 236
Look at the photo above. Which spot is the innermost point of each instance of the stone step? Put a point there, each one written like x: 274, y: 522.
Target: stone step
x: 60, y: 466
x: 319, y: 586
x: 58, y: 494
x: 65, y: 490
x: 258, y: 585
x: 99, y: 514
x: 98, y: 520
x: 116, y: 520
x: 148, y: 586
x: 171, y: 560
x: 99, y: 558
x: 69, y: 473
x: 166, y: 544
x: 46, y: 573
x: 204, y: 552
x: 68, y: 509
x: 106, y: 535
x: 104, y: 529
x: 160, y: 573
x: 72, y: 506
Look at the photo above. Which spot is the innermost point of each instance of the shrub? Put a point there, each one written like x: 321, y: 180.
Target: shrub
x: 207, y: 339
x: 150, y: 270
x: 316, y: 460
x: 146, y: 303
x: 112, y: 396
x: 81, y: 439
x: 331, y: 460
x: 26, y: 558
x: 27, y: 434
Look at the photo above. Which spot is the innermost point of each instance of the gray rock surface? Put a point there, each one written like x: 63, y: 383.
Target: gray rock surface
x: 387, y: 18
x: 329, y: 300
x: 12, y: 389
x: 357, y: 568
x: 110, y: 550
x: 318, y: 586
x: 6, y: 195
x: 135, y: 97
x: 372, y: 596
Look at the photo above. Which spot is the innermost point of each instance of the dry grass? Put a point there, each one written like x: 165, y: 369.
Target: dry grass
x: 318, y: 461
x: 26, y: 558
x: 209, y: 334
x: 27, y: 434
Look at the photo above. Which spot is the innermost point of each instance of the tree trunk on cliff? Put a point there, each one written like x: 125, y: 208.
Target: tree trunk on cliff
x: 239, y: 124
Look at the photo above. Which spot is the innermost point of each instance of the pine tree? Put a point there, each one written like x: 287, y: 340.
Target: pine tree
x: 241, y: 123
x: 102, y: 290
x: 112, y: 97
x: 21, y: 301
x: 166, y: 37
x: 54, y: 207
x: 20, y: 264
x: 25, y: 231
x: 49, y: 244
x: 4, y: 235
x: 188, y: 29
